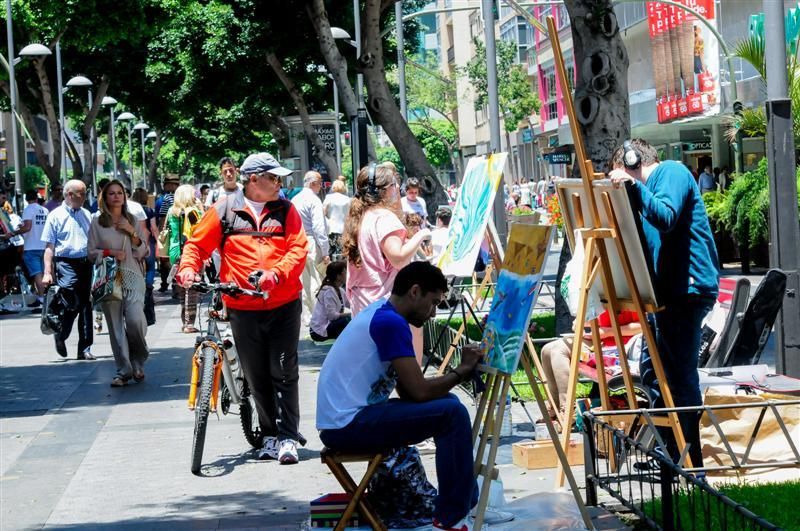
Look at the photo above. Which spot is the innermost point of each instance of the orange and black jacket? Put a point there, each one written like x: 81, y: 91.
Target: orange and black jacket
x: 275, y: 242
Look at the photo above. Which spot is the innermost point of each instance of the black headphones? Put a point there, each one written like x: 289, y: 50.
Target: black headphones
x: 372, y: 187
x: 631, y: 158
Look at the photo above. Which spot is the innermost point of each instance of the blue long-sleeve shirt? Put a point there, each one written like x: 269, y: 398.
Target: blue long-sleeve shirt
x: 678, y: 234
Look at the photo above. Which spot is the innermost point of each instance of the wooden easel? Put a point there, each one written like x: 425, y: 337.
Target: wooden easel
x: 489, y: 419
x: 597, y: 263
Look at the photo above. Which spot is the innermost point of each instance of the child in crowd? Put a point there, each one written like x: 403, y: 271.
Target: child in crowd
x: 330, y: 315
x: 414, y: 223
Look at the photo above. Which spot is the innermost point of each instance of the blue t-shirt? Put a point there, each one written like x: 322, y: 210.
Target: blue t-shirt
x: 678, y: 234
x: 357, y: 371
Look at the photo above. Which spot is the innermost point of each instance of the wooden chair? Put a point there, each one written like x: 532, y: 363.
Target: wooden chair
x: 335, y: 461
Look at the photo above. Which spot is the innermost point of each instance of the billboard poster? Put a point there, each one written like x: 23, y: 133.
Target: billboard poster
x: 685, y: 60
x: 327, y: 134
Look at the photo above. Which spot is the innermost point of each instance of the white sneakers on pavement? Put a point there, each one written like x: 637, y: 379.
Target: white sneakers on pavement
x: 270, y: 449
x: 287, y: 455
x: 493, y: 516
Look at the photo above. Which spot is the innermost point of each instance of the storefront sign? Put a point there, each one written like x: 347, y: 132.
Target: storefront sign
x: 697, y: 146
x: 527, y: 136
x: 558, y: 158
x: 685, y: 60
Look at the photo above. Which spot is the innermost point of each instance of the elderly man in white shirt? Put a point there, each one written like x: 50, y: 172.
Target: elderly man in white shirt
x: 309, y: 206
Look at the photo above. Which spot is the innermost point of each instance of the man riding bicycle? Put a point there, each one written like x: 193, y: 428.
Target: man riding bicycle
x: 254, y: 231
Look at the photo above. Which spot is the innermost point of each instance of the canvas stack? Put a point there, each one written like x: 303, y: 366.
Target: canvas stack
x: 327, y: 510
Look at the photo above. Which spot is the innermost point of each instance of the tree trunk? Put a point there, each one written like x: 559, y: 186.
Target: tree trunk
x: 297, y: 97
x: 53, y: 170
x: 601, y: 98
x: 383, y: 107
x: 152, y: 166
x: 336, y: 64
x: 86, y: 132
x: 74, y: 157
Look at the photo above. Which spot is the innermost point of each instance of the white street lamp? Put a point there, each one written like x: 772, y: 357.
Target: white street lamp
x: 110, y: 103
x: 84, y: 82
x: 127, y: 117
x: 141, y: 127
x: 151, y: 134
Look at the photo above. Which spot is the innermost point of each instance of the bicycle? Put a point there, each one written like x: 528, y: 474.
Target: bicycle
x: 214, y: 355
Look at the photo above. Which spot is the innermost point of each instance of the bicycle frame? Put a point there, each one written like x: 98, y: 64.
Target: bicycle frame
x: 208, y: 342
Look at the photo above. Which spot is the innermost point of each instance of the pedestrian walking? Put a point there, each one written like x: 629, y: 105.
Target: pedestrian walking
x: 412, y: 203
x: 163, y: 204
x: 151, y: 232
x: 56, y: 198
x: 115, y: 233
x: 258, y: 232
x: 335, y: 207
x: 183, y: 217
x: 66, y: 235
x: 34, y: 218
x: 230, y: 181
x: 309, y: 207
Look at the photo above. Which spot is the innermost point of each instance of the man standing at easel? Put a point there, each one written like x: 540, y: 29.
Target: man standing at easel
x: 679, y: 237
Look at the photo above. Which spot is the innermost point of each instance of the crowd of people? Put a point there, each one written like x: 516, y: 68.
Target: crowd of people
x: 357, y: 270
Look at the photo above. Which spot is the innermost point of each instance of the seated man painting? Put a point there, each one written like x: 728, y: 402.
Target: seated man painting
x: 371, y: 357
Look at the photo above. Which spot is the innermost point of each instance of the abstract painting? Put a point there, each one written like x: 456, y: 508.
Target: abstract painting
x: 471, y: 214
x: 514, y: 295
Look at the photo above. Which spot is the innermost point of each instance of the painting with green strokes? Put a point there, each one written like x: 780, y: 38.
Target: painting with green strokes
x: 471, y: 214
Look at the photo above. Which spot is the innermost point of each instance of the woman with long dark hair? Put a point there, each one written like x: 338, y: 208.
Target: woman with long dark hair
x: 375, y: 242
x: 115, y: 233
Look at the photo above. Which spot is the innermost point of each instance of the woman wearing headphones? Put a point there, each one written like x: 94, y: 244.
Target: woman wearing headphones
x: 375, y: 241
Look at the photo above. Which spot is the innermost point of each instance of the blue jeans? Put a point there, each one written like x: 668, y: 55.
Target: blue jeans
x: 150, y: 261
x: 678, y: 328
x: 402, y: 423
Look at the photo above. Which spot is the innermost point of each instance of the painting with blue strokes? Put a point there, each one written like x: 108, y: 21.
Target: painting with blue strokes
x: 515, y: 295
x: 471, y: 214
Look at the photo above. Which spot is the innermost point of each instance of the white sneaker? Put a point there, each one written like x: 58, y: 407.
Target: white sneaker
x: 269, y: 450
x: 287, y: 455
x: 426, y: 447
x: 493, y: 516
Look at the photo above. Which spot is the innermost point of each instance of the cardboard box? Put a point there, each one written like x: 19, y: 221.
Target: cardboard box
x: 534, y: 455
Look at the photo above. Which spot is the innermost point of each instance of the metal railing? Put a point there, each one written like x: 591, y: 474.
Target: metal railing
x: 648, y: 483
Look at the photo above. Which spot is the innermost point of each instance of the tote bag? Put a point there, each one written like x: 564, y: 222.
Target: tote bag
x: 571, y: 283
x: 106, y: 284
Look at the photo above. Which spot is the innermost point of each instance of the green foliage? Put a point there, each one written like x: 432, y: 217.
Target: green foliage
x: 714, y: 202
x: 515, y: 93
x: 33, y: 177
x: 745, y: 208
x: 763, y: 499
x: 389, y: 154
x: 436, y: 137
x: 753, y: 121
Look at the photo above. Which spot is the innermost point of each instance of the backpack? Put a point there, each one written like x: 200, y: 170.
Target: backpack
x: 228, y: 221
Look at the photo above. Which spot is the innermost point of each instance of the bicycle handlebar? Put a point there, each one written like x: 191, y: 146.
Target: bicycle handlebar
x: 228, y: 288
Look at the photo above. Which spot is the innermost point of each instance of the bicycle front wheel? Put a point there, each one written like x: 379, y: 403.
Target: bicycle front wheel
x: 203, y: 405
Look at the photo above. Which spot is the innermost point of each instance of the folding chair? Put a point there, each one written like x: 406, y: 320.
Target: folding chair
x: 335, y: 461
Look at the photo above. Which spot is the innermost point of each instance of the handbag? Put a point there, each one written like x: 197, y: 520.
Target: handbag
x: 162, y: 243
x: 106, y: 281
x: 52, y: 310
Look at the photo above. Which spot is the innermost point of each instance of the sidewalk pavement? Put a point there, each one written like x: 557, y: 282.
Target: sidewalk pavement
x: 77, y: 454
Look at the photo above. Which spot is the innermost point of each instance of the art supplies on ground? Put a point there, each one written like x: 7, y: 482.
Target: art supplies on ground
x: 327, y: 510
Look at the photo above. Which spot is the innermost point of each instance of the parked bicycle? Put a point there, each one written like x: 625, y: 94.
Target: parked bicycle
x: 215, y: 354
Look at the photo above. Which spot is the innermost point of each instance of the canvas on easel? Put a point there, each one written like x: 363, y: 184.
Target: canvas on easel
x: 471, y: 214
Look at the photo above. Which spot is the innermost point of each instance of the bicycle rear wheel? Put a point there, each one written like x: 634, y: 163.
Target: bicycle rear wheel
x: 249, y: 417
x: 201, y: 409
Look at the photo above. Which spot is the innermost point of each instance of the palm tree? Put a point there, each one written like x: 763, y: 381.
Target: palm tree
x: 753, y: 121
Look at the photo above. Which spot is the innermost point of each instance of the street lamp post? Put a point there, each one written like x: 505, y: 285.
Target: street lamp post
x: 62, y: 136
x: 401, y: 57
x: 494, y: 113
x: 127, y: 117
x: 110, y: 102
x: 83, y: 81
x: 13, y: 83
x: 141, y: 127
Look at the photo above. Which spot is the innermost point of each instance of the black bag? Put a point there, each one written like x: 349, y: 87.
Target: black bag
x: 52, y: 311
x: 400, y: 491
